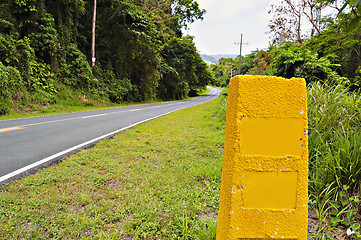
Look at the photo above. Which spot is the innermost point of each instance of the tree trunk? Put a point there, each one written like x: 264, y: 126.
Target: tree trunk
x: 93, y: 34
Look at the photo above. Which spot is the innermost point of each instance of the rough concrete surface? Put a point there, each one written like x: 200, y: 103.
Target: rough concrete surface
x: 264, y: 190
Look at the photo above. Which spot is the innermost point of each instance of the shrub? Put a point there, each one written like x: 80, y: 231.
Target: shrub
x: 11, y: 87
x: 334, y: 157
x: 111, y: 87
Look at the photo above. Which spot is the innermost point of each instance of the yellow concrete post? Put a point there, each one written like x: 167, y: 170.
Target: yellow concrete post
x: 264, y: 192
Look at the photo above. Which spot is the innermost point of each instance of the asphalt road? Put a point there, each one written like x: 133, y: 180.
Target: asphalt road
x: 28, y: 144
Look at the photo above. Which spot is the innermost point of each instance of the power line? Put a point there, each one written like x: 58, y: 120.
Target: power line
x: 258, y: 15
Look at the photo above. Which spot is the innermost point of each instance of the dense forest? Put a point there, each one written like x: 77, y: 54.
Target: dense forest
x: 141, y: 55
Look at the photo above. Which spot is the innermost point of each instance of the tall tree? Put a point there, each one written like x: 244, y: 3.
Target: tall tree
x: 49, y: 42
x: 353, y: 5
x: 289, y: 19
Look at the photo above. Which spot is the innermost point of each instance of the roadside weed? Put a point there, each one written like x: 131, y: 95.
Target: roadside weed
x: 159, y: 180
x: 334, y: 161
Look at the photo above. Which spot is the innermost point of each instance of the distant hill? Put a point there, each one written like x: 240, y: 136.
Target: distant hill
x: 213, y: 59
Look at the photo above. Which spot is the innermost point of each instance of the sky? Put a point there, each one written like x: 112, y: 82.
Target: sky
x: 224, y: 22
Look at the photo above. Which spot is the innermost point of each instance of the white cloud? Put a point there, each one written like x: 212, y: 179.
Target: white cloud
x: 225, y: 20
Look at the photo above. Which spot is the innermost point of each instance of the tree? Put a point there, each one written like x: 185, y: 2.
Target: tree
x: 227, y: 68
x: 342, y: 46
x: 52, y: 42
x: 183, y: 72
x: 281, y: 25
x: 170, y: 16
x: 126, y: 47
x: 262, y: 63
x: 288, y: 19
x: 353, y: 5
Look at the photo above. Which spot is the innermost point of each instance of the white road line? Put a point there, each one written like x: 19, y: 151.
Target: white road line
x: 154, y: 107
x: 62, y: 153
x: 75, y: 148
x: 99, y: 115
x: 84, y: 117
x: 9, y: 129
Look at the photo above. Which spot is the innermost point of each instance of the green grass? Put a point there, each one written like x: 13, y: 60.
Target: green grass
x: 159, y: 180
x: 71, y: 105
x: 335, y: 161
x: 35, y: 111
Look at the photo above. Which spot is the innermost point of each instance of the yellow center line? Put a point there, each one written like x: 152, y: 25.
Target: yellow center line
x: 2, y: 130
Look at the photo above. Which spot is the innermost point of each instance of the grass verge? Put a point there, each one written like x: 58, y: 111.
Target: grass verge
x: 335, y: 162
x: 159, y: 180
x: 69, y: 106
x: 42, y: 110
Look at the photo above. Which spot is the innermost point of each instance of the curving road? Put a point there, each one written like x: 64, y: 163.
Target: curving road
x: 31, y: 143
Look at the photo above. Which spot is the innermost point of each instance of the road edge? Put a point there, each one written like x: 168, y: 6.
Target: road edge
x: 55, y: 158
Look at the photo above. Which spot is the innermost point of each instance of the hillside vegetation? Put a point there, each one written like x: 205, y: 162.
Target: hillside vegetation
x: 141, y: 55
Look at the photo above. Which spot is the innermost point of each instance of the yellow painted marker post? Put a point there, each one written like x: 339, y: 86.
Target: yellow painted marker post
x: 264, y: 192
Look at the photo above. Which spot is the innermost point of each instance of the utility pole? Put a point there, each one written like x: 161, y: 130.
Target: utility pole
x: 240, y: 52
x: 93, y: 33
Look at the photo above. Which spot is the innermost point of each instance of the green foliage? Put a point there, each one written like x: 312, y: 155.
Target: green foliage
x: 44, y: 39
x: 110, y: 87
x: 223, y: 70
x: 332, y: 56
x: 222, y: 109
x: 74, y: 69
x: 25, y: 6
x: 342, y: 46
x: 170, y: 85
x: 6, y: 19
x: 204, y: 76
x: 128, y: 50
x: 258, y: 62
x: 41, y: 78
x: 248, y: 62
x: 262, y: 63
x: 292, y: 60
x: 183, y: 71
x: 8, y: 51
x: 334, y: 117
x: 334, y: 157
x: 186, y: 11
x: 11, y: 88
x: 49, y: 43
x: 25, y: 60
x: 354, y: 5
